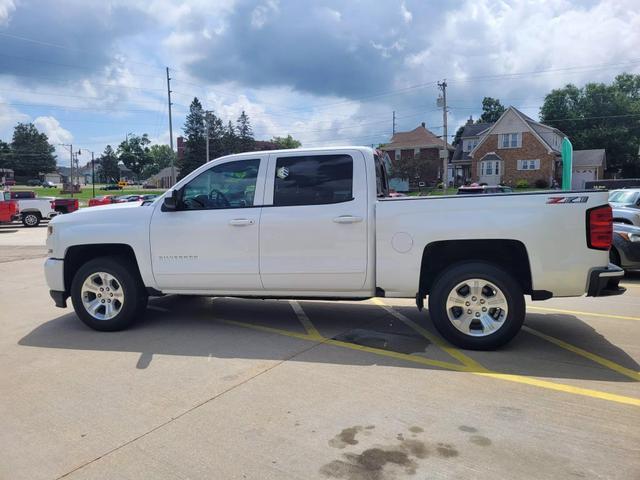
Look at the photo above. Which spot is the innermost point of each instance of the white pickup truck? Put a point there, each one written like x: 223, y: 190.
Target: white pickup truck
x: 33, y: 210
x: 318, y: 223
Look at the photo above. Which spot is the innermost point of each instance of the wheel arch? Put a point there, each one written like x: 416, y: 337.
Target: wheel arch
x: 78, y: 255
x: 510, y: 255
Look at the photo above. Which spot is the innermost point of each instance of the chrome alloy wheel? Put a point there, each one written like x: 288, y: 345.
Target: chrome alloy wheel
x: 102, y: 296
x: 477, y: 307
x: 31, y: 219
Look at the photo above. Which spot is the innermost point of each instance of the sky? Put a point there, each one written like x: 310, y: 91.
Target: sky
x: 328, y: 72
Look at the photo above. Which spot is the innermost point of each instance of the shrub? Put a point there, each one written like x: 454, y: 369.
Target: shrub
x: 541, y: 183
x: 522, y: 183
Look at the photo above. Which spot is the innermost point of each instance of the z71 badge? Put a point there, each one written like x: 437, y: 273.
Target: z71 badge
x: 567, y: 199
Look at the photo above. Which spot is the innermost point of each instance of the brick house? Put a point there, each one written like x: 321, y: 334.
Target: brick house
x: 517, y: 147
x: 418, y: 143
x: 461, y: 161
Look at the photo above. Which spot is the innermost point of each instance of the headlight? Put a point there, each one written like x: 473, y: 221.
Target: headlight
x: 630, y: 237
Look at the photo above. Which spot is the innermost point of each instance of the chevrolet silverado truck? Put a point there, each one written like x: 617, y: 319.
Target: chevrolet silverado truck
x: 32, y: 209
x: 320, y: 224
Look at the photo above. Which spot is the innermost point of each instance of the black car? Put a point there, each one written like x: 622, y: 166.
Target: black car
x: 625, y: 251
x: 111, y: 187
x: 482, y: 189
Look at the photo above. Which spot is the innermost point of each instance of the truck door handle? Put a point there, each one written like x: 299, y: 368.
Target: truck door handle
x: 240, y: 222
x: 347, y: 219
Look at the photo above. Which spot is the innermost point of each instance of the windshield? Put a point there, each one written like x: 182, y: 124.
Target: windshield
x: 624, y: 197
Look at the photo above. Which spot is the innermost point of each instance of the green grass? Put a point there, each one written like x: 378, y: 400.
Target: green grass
x: 86, y: 192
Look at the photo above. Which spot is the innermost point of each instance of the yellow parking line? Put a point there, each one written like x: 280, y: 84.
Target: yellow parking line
x: 560, y: 387
x: 583, y: 353
x: 352, y: 346
x: 575, y: 312
x: 304, y: 320
x: 454, y: 352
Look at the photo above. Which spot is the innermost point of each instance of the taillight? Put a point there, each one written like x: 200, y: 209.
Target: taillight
x: 53, y: 204
x: 600, y: 227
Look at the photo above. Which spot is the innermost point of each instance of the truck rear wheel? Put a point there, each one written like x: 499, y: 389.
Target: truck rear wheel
x: 477, y: 306
x: 106, y: 295
x: 31, y: 219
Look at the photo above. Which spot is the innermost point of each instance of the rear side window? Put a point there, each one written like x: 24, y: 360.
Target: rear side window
x: 313, y: 180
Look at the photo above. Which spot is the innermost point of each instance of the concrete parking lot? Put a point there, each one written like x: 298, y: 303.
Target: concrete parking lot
x: 233, y: 389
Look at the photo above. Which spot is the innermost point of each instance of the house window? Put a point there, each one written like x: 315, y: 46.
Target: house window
x: 529, y: 164
x: 397, y: 154
x: 510, y: 140
x: 497, y: 165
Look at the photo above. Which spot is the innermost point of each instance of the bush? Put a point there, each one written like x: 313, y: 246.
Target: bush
x: 522, y: 184
x: 541, y: 183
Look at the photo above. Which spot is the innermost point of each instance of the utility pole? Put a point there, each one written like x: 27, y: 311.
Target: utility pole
x: 393, y: 130
x: 207, y: 117
x: 442, y: 101
x: 173, y: 171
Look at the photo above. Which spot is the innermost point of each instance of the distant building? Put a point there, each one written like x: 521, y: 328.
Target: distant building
x: 181, y: 147
x: 461, y: 161
x: 418, y: 143
x: 162, y: 179
x: 588, y: 165
x: 5, y: 174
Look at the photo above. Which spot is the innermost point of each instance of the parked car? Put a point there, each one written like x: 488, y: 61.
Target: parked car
x: 66, y: 205
x: 48, y: 184
x: 103, y: 200
x: 150, y: 197
x: 630, y: 216
x: 123, y: 183
x: 627, y: 198
x: 34, y: 182
x: 128, y: 198
x: 481, y: 189
x: 9, y: 182
x: 149, y: 186
x: 397, y: 194
x: 8, y: 210
x: 311, y: 223
x: 625, y: 251
x: 33, y: 210
x: 112, y: 186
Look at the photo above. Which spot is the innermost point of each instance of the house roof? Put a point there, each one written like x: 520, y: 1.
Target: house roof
x: 590, y: 158
x: 418, y: 137
x: 529, y: 122
x: 470, y: 130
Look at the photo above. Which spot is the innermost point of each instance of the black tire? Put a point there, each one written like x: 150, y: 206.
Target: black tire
x: 31, y: 219
x: 458, y: 273
x: 135, y: 295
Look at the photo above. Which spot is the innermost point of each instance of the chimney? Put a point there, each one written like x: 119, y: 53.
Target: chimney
x: 470, y: 121
x: 423, y: 125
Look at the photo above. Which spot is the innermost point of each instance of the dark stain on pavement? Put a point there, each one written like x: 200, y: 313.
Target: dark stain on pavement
x: 346, y: 437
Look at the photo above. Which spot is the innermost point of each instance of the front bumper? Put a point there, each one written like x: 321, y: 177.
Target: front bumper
x: 604, y: 281
x: 54, y: 275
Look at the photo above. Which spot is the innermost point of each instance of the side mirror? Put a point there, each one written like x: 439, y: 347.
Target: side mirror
x: 170, y: 203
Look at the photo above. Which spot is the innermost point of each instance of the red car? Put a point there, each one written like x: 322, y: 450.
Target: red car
x: 65, y: 205
x: 8, y: 210
x: 104, y: 200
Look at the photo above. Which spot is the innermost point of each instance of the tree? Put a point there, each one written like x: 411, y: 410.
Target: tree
x: 458, y: 136
x: 134, y: 153
x: 215, y: 134
x: 492, y: 109
x: 286, y: 142
x: 245, y: 133
x: 159, y: 157
x: 600, y: 116
x: 5, y: 154
x: 31, y: 153
x: 229, y: 140
x: 195, y: 148
x: 108, y: 161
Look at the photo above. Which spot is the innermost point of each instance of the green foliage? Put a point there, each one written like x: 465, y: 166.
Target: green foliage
x: 541, y: 183
x: 195, y: 147
x: 600, y: 116
x: 458, y: 136
x: 244, y: 133
x: 286, y: 142
x: 29, y: 153
x: 160, y: 157
x: 522, y: 183
x: 134, y: 153
x: 108, y: 161
x: 492, y: 109
x: 229, y: 139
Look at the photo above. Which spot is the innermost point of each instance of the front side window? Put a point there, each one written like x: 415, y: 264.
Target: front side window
x: 313, y: 180
x: 229, y: 185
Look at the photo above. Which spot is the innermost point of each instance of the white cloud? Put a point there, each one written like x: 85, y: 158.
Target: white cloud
x: 56, y: 133
x: 9, y: 116
x: 407, y: 16
x: 263, y: 13
x: 6, y: 7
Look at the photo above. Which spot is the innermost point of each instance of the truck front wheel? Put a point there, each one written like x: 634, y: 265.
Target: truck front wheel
x: 31, y: 219
x: 106, y: 295
x: 477, y: 306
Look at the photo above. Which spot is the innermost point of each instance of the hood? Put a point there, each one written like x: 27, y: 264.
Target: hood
x: 112, y: 213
